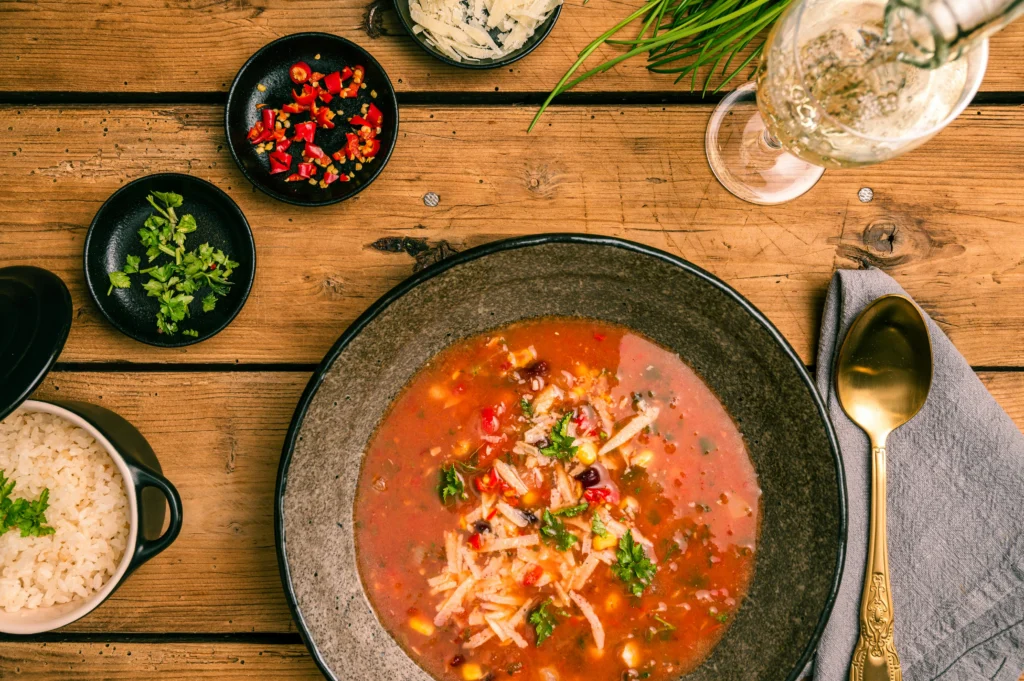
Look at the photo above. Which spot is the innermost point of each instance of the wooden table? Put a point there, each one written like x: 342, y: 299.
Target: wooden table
x: 96, y: 93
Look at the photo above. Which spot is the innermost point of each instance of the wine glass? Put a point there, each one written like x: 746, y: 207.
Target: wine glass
x: 832, y: 92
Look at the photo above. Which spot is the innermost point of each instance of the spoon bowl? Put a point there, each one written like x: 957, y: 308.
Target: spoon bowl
x: 884, y: 370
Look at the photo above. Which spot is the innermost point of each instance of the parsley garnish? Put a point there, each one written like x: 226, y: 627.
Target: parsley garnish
x: 451, y: 485
x: 174, y: 283
x: 525, y: 406
x: 543, y: 622
x: 552, y: 528
x: 633, y: 566
x: 27, y: 516
x: 598, y: 527
x: 667, y: 626
x: 722, y: 617
x: 561, y: 446
x: 571, y: 511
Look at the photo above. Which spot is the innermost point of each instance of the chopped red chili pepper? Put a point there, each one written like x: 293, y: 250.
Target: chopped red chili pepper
x: 293, y: 108
x: 596, y: 495
x: 489, y: 420
x: 299, y: 72
x: 316, y: 77
x: 307, y: 170
x: 294, y: 177
x: 494, y: 512
x: 268, y: 118
x: 351, y: 91
x: 374, y: 116
x: 366, y: 133
x: 359, y: 121
x: 533, y: 576
x: 323, y: 118
x: 326, y: 96
x: 346, y: 73
x: 282, y: 145
x: 313, y: 151
x: 339, y: 156
x: 304, y: 132
x: 255, y: 131
x: 332, y: 81
x: 307, y: 97
x: 278, y: 165
x: 476, y: 541
x: 281, y: 156
x: 351, y: 146
x: 370, y: 149
x: 330, y: 178
x: 358, y: 73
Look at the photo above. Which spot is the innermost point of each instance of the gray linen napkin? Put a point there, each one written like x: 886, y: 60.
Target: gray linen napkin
x: 956, y: 516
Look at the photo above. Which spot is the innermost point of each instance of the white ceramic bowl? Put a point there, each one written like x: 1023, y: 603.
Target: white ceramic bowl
x: 136, y: 462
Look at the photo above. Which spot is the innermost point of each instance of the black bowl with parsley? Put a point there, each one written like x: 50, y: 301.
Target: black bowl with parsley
x: 160, y: 276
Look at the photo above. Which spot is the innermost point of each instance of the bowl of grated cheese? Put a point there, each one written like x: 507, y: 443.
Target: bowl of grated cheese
x: 479, y: 34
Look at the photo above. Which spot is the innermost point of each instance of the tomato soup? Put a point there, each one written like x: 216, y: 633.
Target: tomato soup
x: 561, y: 500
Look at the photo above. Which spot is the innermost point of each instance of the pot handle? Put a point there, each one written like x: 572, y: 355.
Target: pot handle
x: 146, y: 548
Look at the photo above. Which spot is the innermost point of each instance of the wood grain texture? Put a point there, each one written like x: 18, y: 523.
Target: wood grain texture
x: 219, y: 439
x: 137, y: 46
x: 946, y: 220
x: 166, y: 661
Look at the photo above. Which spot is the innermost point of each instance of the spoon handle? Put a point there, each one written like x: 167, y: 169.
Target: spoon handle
x: 875, y: 658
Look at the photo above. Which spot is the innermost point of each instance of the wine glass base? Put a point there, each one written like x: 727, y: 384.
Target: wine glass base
x: 746, y: 160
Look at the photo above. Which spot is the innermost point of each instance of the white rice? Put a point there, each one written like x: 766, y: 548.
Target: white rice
x: 88, y: 511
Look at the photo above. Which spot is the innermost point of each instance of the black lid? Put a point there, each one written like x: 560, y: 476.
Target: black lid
x: 35, y: 317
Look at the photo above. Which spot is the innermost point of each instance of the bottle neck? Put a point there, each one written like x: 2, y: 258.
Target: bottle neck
x: 930, y: 33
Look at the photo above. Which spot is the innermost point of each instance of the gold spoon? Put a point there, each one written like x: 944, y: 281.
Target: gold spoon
x: 883, y: 375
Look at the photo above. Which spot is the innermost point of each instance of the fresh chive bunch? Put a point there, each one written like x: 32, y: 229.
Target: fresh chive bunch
x: 681, y: 36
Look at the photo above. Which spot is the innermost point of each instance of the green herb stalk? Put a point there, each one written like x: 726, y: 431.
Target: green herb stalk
x: 681, y: 36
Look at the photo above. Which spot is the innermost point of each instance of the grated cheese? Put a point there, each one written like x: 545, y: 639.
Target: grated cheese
x: 473, y: 30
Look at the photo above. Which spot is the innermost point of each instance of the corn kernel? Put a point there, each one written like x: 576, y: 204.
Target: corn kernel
x: 530, y: 498
x: 602, y: 543
x: 643, y: 459
x: 587, y: 453
x: 612, y: 602
x: 261, y: 87
x: 472, y: 672
x: 421, y: 625
x: 438, y: 392
x: 631, y: 655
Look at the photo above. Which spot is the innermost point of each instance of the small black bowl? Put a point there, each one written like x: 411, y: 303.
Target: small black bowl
x: 114, y: 234
x: 402, y: 7
x: 269, y: 67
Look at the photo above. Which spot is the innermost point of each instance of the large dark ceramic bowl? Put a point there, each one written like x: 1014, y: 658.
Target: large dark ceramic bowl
x: 737, y: 352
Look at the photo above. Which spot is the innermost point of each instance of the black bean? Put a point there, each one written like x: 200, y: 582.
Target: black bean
x: 536, y: 368
x: 482, y: 526
x: 588, y: 477
x: 457, y: 661
x: 530, y: 516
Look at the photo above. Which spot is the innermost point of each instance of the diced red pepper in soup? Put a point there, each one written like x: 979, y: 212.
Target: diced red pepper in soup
x: 565, y: 524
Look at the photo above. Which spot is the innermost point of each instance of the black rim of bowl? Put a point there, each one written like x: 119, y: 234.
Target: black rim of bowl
x: 538, y: 37
x: 380, y: 161
x: 181, y: 340
x: 523, y: 242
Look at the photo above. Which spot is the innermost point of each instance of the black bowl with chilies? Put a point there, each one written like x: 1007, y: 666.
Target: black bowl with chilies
x: 114, y: 235
x: 265, y: 81
x: 542, y: 32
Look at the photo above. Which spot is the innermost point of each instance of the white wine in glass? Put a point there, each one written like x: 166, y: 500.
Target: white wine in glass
x: 845, y: 83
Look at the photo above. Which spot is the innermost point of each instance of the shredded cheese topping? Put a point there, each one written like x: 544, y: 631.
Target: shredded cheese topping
x: 473, y: 30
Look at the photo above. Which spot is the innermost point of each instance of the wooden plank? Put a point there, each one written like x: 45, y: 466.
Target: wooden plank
x: 945, y: 221
x: 219, y: 438
x: 136, y: 46
x: 168, y: 661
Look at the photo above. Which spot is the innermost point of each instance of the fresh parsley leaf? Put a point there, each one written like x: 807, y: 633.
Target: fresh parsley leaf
x: 169, y: 199
x: 598, y: 527
x: 553, y: 529
x: 526, y: 407
x: 632, y: 565
x: 571, y: 511
x: 118, y: 280
x: 190, y: 332
x: 131, y: 265
x: 187, y: 224
x: 722, y: 617
x: 666, y: 626
x: 451, y: 485
x: 28, y: 516
x: 209, y: 302
x: 543, y: 621
x: 561, y: 446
